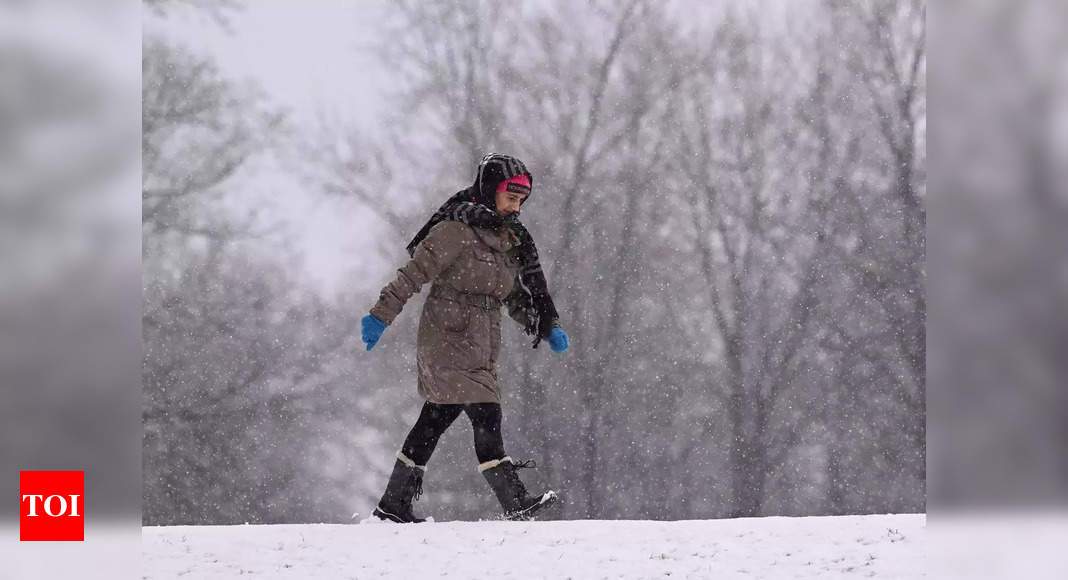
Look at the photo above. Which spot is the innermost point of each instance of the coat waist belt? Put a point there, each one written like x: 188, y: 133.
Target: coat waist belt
x: 483, y: 301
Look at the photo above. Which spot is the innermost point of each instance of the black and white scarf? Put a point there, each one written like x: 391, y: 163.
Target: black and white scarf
x: 474, y: 206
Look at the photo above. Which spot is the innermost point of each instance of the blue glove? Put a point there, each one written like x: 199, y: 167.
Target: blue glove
x: 372, y: 330
x: 558, y: 340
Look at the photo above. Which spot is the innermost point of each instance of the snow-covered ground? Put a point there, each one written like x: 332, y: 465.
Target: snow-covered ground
x: 877, y: 546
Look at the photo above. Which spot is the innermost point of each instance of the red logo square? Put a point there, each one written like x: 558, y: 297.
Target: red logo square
x: 51, y: 506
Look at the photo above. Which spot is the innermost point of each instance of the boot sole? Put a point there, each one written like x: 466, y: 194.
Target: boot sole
x: 388, y: 517
x: 547, y: 499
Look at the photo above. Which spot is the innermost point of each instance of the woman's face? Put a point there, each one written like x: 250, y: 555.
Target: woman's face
x: 508, y: 202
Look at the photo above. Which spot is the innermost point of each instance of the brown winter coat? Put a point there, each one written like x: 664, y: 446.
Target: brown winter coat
x: 473, y: 271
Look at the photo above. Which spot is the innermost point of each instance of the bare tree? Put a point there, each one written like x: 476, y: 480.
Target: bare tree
x: 240, y: 374
x: 757, y: 251
x: 885, y: 204
x: 591, y: 132
x: 198, y: 131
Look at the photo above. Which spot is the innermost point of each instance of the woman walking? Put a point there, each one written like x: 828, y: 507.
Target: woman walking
x: 478, y: 257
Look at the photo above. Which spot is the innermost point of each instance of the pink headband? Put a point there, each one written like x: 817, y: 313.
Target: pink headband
x: 518, y: 184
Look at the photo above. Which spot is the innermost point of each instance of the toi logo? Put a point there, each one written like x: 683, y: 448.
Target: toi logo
x: 51, y: 506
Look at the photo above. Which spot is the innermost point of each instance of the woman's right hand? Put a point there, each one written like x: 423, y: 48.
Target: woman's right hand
x: 371, y: 330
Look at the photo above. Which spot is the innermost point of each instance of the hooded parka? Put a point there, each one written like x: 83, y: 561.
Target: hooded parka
x: 472, y: 271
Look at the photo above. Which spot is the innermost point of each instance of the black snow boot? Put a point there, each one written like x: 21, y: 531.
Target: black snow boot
x: 405, y: 484
x: 503, y: 478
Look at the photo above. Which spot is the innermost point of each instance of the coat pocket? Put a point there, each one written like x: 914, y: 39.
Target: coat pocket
x: 451, y: 316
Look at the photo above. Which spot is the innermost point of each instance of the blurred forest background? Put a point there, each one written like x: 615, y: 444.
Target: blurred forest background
x: 730, y: 204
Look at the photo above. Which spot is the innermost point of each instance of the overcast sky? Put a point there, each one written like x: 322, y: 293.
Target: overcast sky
x: 309, y: 57
x: 306, y: 55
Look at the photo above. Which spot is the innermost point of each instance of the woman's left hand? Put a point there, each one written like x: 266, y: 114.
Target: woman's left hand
x: 558, y: 340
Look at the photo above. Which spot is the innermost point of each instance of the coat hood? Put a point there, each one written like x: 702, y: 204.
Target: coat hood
x: 492, y: 170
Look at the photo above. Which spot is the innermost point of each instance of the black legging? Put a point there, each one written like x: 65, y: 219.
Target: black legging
x: 434, y: 419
